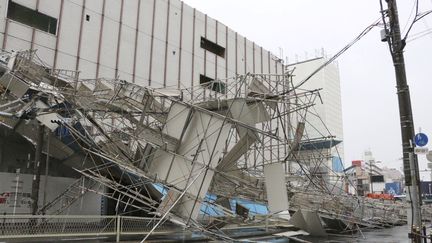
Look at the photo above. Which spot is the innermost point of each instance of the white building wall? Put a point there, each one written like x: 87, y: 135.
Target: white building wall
x: 154, y: 42
x: 329, y: 119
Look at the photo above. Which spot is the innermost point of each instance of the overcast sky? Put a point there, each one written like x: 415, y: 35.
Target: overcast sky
x: 369, y: 100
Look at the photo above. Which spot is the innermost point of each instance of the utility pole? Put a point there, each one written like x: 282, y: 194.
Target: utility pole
x: 410, y: 162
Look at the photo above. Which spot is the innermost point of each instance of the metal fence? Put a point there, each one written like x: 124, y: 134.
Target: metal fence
x: 58, y: 226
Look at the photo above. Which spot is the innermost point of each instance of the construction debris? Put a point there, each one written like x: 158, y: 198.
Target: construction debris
x: 188, y: 156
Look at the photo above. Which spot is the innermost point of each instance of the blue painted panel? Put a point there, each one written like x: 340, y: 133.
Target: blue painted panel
x: 337, y: 165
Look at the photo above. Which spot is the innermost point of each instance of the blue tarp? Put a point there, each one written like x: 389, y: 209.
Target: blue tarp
x: 208, y: 209
x: 393, y: 188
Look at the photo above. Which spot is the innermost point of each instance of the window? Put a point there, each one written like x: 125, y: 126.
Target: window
x: 209, y: 83
x: 32, y: 18
x: 212, y: 47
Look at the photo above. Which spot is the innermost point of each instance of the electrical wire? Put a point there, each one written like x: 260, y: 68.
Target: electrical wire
x: 333, y: 58
x: 415, y: 20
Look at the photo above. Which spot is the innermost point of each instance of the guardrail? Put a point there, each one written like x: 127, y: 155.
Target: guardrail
x: 58, y: 226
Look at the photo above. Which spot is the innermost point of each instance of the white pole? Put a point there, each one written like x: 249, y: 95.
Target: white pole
x: 16, y: 191
x: 414, y: 196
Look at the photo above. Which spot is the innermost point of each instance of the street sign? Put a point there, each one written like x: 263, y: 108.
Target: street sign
x: 429, y: 157
x: 421, y: 150
x: 420, y: 139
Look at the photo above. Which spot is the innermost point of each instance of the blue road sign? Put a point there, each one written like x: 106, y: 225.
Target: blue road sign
x: 420, y: 139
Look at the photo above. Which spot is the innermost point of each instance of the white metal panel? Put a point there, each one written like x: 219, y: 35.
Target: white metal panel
x: 20, y: 31
x: 143, y: 59
x: 112, y: 9
x: 221, y: 61
x: 127, y: 48
x: 188, y: 204
x: 186, y: 69
x: 3, y: 14
x: 87, y: 69
x: 139, y: 80
x: 210, y: 56
x: 90, y: 38
x: 106, y: 72
x: 1, y: 36
x: 108, y: 50
x: 210, y: 65
x: 15, y: 44
x: 94, y: 7
x: 45, y: 54
x: 199, y: 52
x: 125, y: 76
x: 240, y: 55
x: 158, y: 62
x: 279, y: 67
x: 172, y: 66
x: 220, y: 68
x: 173, y: 50
x: 52, y: 8
x: 180, y: 113
x: 257, y: 55
x: 70, y: 28
x: 230, y: 53
x: 161, y: 19
x: 130, y: 13
x: 144, y: 42
x: 249, y: 56
x: 314, y: 225
x: 211, y: 29
x: 187, y: 35
x: 146, y: 16
x: 27, y: 3
x: 65, y: 61
x: 272, y: 63
x: 212, y: 130
x: 186, y: 53
x: 277, y: 194
x: 19, y: 36
x: 44, y: 39
x: 174, y: 23
x: 265, y: 62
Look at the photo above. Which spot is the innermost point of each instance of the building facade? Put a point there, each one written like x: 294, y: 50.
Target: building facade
x: 325, y: 117
x: 157, y: 43
x: 160, y: 43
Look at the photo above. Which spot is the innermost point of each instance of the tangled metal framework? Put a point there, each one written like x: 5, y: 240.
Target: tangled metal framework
x: 163, y: 151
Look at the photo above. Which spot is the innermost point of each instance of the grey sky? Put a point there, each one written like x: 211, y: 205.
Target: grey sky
x: 369, y: 101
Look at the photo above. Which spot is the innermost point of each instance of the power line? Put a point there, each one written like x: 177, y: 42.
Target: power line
x: 333, y: 58
x: 415, y: 20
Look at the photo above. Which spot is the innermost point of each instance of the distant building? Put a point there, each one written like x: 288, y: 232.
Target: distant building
x: 367, y: 176
x: 325, y: 117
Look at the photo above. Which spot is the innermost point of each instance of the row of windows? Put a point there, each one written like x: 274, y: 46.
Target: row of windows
x: 48, y: 24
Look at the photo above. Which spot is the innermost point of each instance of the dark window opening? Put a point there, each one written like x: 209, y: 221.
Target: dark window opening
x: 210, y: 83
x: 212, y: 47
x: 87, y: 17
x: 32, y: 18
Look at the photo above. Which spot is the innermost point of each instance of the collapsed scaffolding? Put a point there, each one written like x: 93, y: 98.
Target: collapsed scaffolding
x: 168, y: 153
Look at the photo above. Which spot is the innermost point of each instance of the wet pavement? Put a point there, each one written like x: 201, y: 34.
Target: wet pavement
x: 390, y: 235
